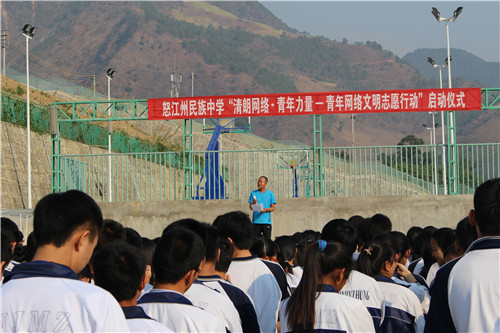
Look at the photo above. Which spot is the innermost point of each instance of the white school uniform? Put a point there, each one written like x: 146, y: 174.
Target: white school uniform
x: 241, y: 301
x: 255, y: 278
x: 419, y: 290
x: 43, y: 296
x: 216, y: 303
x: 175, y: 311
x: 466, y: 291
x: 139, y: 321
x: 367, y: 290
x: 403, y: 311
x: 334, y: 312
x: 432, y: 273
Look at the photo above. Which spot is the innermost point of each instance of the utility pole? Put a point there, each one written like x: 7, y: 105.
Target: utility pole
x: 4, y: 46
x: 175, y: 79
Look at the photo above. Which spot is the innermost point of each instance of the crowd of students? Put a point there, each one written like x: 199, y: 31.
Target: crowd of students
x: 79, y: 272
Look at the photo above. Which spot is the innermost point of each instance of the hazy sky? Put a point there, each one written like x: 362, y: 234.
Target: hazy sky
x: 399, y: 26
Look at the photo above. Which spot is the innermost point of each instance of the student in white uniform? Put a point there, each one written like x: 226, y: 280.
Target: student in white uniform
x: 403, y: 311
x: 316, y: 305
x: 121, y: 269
x: 45, y: 295
x: 176, y: 262
x: 355, y: 284
x: 218, y: 279
x: 466, y: 291
x: 286, y: 256
x: 249, y: 272
x: 399, y: 244
x: 441, y: 239
x: 201, y: 295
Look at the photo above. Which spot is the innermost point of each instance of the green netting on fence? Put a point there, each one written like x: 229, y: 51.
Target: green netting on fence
x: 14, y: 112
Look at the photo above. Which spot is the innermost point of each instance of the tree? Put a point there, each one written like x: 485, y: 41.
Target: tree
x: 411, y: 140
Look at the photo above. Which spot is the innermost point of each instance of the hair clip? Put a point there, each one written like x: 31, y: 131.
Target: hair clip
x: 322, y: 244
x: 369, y: 251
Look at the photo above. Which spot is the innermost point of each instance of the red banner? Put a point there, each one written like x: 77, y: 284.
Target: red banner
x: 459, y: 99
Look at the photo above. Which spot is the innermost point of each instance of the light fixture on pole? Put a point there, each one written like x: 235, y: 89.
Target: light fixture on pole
x: 450, y: 114
x: 110, y: 73
x: 443, y: 141
x: 29, y: 32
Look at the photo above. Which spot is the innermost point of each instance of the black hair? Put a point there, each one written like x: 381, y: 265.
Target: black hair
x: 112, y: 231
x: 412, y: 235
x: 10, y: 231
x: 267, y: 180
x: 423, y: 244
x: 401, y: 243
x: 6, y: 247
x: 58, y: 215
x: 373, y: 256
x: 444, y: 237
x: 119, y: 268
x: 180, y: 250
x: 147, y: 250
x: 287, y: 250
x: 237, y: 226
x: 388, y: 239
x: 85, y: 273
x: 199, y: 228
x: 301, y: 305
x: 487, y: 207
x: 133, y: 237
x: 379, y: 223
x: 339, y: 230
x: 466, y: 234
x: 259, y: 246
x: 364, y: 231
x: 226, y: 255
x: 31, y: 245
x: 212, y: 244
x: 303, y: 239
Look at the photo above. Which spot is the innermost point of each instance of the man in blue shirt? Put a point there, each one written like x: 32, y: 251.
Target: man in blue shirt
x: 262, y: 219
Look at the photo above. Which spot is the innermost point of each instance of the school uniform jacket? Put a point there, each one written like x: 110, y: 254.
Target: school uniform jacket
x: 175, y: 311
x: 241, y: 301
x: 465, y: 296
x: 403, y: 311
x: 255, y: 278
x: 43, y: 296
x: 139, y: 321
x: 213, y: 301
x: 334, y: 313
x: 367, y: 290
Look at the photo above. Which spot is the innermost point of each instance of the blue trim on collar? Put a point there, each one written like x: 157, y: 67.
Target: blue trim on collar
x: 382, y: 278
x: 204, y: 278
x: 133, y: 312
x: 327, y: 288
x: 40, y: 269
x: 485, y: 243
x: 245, y: 258
x: 204, y: 285
x: 163, y: 296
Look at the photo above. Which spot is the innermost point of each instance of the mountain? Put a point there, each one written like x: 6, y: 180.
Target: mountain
x: 231, y: 47
x: 464, y: 65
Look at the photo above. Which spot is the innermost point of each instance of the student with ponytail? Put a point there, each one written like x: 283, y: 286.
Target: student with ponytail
x: 316, y: 305
x: 403, y: 312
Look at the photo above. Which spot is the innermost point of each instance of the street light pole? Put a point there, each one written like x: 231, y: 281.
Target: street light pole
x: 443, y: 139
x: 450, y: 114
x: 29, y: 32
x: 110, y: 73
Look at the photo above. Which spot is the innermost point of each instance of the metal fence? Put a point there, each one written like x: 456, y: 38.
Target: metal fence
x: 346, y: 172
